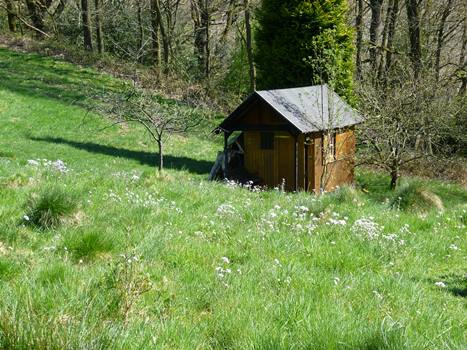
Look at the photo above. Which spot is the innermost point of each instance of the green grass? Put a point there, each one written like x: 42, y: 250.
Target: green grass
x: 141, y: 261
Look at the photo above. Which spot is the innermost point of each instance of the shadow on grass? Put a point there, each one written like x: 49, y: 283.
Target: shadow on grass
x: 456, y: 284
x: 37, y: 76
x: 146, y: 158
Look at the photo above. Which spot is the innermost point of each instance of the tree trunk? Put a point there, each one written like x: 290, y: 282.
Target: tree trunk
x: 36, y: 16
x: 463, y: 87
x: 60, y: 8
x: 384, y: 39
x: 375, y: 6
x: 230, y: 18
x: 99, y: 32
x: 11, y: 15
x: 249, y: 47
x: 391, y: 32
x: 164, y: 36
x: 200, y: 15
x: 87, y: 36
x: 155, y: 19
x: 160, y: 165
x: 140, y: 56
x: 440, y: 37
x: 414, y: 35
x: 359, y: 28
x: 394, y: 178
x: 206, y: 20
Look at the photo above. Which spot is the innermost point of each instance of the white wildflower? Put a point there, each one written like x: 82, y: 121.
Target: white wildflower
x: 60, y: 166
x: 226, y: 209
x: 225, y: 260
x: 366, y: 228
x: 33, y: 162
x: 377, y: 295
x: 336, y: 222
x: 440, y: 284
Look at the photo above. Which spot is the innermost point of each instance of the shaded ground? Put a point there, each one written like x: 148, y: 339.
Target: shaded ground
x: 146, y: 158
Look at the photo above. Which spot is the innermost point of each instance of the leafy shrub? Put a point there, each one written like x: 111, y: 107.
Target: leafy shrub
x: 47, y: 209
x: 414, y: 197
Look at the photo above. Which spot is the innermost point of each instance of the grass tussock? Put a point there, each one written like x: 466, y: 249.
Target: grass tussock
x: 23, y: 328
x: 345, y: 194
x: 8, y: 268
x: 48, y: 208
x: 417, y: 198
x: 89, y: 244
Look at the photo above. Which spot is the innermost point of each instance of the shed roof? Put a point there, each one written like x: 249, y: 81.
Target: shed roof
x: 308, y: 109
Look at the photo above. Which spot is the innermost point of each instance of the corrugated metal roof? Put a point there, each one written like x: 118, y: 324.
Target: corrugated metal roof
x: 309, y: 109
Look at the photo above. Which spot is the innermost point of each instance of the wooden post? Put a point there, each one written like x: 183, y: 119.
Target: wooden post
x: 226, y: 153
x: 305, y: 144
x: 296, y: 162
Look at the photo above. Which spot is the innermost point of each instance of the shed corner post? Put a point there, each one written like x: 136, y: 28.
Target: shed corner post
x: 226, y: 152
x: 305, y: 171
x: 296, y: 161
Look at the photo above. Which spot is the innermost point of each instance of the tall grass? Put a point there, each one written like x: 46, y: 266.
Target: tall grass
x: 415, y: 197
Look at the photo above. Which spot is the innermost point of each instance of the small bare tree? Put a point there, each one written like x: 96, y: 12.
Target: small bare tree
x: 160, y: 119
x: 396, y: 118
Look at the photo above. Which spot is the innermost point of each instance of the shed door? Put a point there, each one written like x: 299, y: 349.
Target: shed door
x: 285, y: 162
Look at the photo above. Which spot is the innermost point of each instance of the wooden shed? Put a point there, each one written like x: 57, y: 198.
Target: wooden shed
x: 296, y: 139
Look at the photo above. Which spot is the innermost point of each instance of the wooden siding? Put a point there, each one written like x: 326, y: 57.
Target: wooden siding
x: 341, y: 170
x: 262, y: 114
x: 275, y: 165
x: 284, y: 156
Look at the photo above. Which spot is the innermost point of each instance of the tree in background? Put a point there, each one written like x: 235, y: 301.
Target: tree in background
x: 399, y: 115
x: 293, y: 35
x: 143, y: 107
x: 200, y: 13
x: 87, y: 35
x: 98, y: 21
x: 11, y: 14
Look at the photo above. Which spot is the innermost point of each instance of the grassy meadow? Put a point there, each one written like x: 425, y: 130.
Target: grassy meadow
x: 98, y: 251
